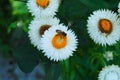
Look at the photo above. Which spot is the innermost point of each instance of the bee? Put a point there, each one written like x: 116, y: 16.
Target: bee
x: 61, y: 32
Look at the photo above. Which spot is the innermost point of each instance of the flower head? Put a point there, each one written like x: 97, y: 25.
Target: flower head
x: 43, y: 8
x: 103, y: 27
x: 37, y: 29
x: 58, y: 43
x: 110, y: 73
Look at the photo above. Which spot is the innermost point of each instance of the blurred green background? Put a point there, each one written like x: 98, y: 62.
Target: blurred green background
x: 87, y: 60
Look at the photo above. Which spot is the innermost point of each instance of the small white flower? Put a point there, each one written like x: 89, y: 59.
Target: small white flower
x: 19, y: 24
x: 108, y: 55
x: 38, y: 27
x: 58, y: 43
x: 43, y: 8
x: 110, y: 73
x: 103, y: 27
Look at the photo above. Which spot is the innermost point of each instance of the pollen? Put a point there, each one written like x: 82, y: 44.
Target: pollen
x: 43, y: 29
x: 59, y: 41
x: 105, y: 26
x: 42, y: 3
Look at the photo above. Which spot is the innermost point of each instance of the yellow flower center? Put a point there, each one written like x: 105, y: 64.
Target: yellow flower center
x: 42, y: 3
x: 105, y: 26
x: 59, y: 41
x: 43, y: 29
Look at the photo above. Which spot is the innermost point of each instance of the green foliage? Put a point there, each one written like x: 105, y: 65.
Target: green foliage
x: 86, y: 62
x: 26, y: 56
x: 19, y: 8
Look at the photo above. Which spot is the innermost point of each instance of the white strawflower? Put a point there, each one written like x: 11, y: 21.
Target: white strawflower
x: 103, y: 27
x: 43, y: 8
x: 110, y: 73
x: 38, y: 27
x: 58, y: 43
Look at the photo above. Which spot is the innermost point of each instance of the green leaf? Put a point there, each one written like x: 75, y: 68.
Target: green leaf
x: 19, y: 8
x: 4, y: 49
x: 12, y: 26
x: 26, y: 56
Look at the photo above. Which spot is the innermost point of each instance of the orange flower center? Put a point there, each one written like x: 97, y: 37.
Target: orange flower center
x: 43, y: 29
x: 42, y: 3
x: 105, y: 26
x: 59, y: 41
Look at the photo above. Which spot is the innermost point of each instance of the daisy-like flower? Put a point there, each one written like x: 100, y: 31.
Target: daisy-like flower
x: 103, y: 27
x: 43, y: 8
x: 38, y: 27
x: 58, y: 43
x: 110, y: 73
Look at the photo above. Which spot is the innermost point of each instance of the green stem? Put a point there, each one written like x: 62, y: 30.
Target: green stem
x: 104, y: 49
x: 65, y: 69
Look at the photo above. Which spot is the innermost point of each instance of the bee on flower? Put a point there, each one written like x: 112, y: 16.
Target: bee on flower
x: 58, y: 43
